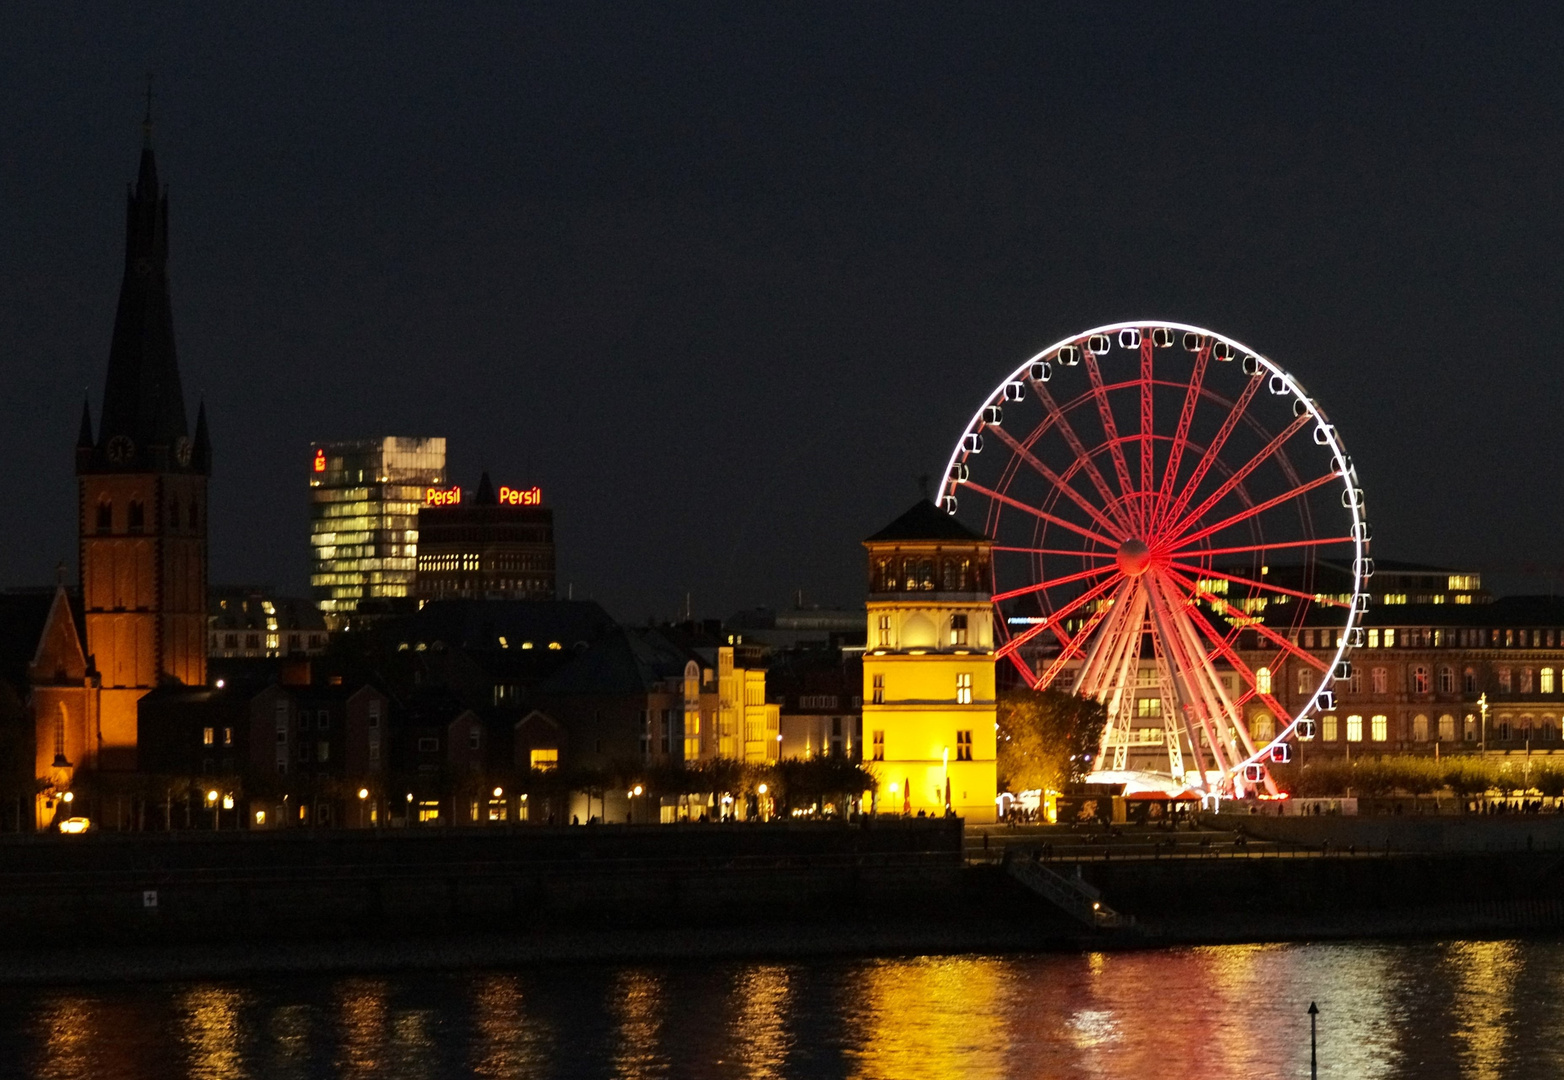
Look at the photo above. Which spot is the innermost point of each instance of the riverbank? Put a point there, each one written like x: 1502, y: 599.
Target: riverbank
x: 135, y: 908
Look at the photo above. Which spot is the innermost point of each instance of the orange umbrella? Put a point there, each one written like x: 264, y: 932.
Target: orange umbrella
x: 906, y: 796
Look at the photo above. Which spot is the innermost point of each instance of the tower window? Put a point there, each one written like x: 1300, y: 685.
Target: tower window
x: 963, y: 746
x: 964, y: 688
x: 885, y: 629
x: 879, y: 690
x: 879, y: 746
x: 105, y: 516
x: 206, y: 736
x: 138, y: 517
x: 958, y: 629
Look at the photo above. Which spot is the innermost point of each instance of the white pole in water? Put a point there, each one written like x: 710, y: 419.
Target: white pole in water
x: 1314, y: 1060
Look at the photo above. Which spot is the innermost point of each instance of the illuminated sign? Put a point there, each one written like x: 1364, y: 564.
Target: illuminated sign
x: 510, y: 496
x: 320, y: 461
x: 442, y: 496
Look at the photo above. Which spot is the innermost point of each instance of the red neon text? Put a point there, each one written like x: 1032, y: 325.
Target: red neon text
x: 521, y: 496
x: 442, y: 496
x: 320, y: 461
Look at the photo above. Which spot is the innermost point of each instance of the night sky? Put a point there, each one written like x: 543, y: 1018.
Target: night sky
x: 725, y: 280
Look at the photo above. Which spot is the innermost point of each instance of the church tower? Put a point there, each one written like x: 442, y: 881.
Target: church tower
x: 928, y: 670
x: 141, y: 482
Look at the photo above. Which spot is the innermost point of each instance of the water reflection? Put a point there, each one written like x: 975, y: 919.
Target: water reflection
x: 209, y: 1028
x: 509, y: 1042
x: 933, y: 1017
x: 637, y: 1003
x: 1483, y: 980
x: 1460, y: 1009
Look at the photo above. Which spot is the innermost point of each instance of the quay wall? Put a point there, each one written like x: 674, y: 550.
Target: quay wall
x: 1406, y: 833
x: 215, y: 887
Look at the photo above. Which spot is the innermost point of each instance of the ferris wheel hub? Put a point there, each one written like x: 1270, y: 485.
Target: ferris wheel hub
x: 1134, y: 557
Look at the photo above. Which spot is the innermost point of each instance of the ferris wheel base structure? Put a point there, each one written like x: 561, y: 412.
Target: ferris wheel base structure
x: 1165, y: 505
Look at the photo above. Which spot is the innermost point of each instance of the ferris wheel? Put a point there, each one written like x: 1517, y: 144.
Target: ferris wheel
x: 1175, y: 525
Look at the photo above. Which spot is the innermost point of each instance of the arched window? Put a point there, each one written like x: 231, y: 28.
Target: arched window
x: 1549, y: 732
x: 1447, y: 728
x: 1420, y: 680
x: 1262, y: 681
x: 1447, y: 680
x: 1380, y: 680
x: 105, y: 516
x: 1545, y: 681
x: 1262, y: 728
x: 138, y: 516
x: 1469, y: 681
x: 1379, y: 728
x: 1420, y: 728
x: 1504, y: 680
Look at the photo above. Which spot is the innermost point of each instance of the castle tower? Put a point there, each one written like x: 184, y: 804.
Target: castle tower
x: 928, y: 671
x: 141, y: 482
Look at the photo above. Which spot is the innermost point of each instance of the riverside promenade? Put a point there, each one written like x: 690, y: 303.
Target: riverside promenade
x: 139, y: 906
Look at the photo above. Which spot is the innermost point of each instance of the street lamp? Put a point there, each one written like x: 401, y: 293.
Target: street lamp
x: 1482, y: 707
x: 761, y: 790
x: 363, y: 793
x: 211, y: 798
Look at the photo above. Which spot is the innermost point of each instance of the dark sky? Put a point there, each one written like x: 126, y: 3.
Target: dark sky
x: 726, y: 279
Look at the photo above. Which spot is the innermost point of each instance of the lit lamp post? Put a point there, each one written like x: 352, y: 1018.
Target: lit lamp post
x: 1482, y: 707
x: 410, y: 809
x: 363, y: 794
x: 211, y: 799
x: 499, y: 793
x: 762, y: 792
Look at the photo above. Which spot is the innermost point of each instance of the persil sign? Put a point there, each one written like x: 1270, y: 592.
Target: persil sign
x: 510, y: 496
x: 443, y: 496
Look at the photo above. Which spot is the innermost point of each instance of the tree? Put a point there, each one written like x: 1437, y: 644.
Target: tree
x: 1046, y: 738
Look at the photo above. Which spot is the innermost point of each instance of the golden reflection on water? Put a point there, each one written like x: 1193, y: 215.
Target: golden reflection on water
x: 210, y: 1030
x: 637, y: 1004
x: 930, y: 1017
x: 66, y: 1024
x: 1485, y: 973
x: 362, y: 1011
x: 509, y: 1042
x: 761, y: 1028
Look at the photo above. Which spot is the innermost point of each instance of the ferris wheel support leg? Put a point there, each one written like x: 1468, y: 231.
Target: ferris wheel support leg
x: 1106, y: 682
x: 1121, y: 695
x: 1170, y: 713
x: 1189, y: 658
x: 1089, y: 681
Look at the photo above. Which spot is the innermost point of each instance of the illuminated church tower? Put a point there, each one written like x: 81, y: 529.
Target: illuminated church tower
x: 928, y: 670
x: 141, y: 483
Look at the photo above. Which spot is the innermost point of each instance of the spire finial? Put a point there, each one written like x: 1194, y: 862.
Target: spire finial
x: 146, y: 123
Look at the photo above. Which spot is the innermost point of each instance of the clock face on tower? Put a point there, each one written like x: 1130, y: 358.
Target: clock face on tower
x: 182, y: 450
x: 120, y: 448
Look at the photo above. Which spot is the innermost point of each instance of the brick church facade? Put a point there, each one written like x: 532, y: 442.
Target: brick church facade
x: 140, y: 620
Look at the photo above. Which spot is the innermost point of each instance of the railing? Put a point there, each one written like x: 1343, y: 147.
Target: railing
x: 1075, y: 897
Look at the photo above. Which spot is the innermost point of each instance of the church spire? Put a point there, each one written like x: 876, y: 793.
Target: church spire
x: 84, y: 435
x: 143, y: 423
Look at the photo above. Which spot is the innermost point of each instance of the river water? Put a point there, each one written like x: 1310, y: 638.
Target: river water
x: 1470, y: 1009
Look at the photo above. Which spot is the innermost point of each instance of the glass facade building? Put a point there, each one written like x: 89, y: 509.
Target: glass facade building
x: 364, y: 501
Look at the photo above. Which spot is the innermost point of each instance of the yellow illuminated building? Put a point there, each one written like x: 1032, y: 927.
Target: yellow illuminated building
x: 928, y: 668
x: 364, y: 502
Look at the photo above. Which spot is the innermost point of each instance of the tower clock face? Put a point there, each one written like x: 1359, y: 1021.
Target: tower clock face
x: 182, y: 450
x: 120, y: 448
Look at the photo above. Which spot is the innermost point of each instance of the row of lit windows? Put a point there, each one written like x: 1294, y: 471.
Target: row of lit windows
x: 273, y: 641
x: 926, y: 575
x: 1527, y: 728
x: 1439, y: 638
x: 963, y: 688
